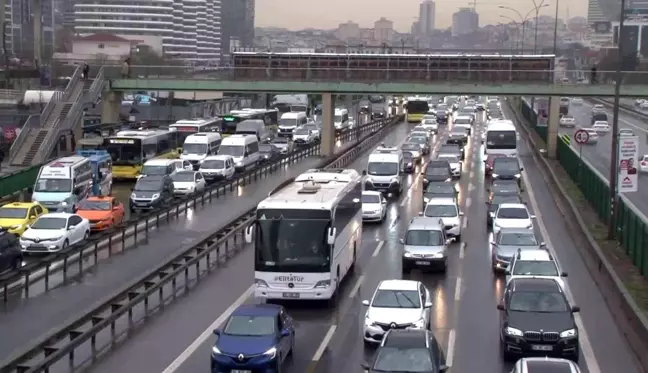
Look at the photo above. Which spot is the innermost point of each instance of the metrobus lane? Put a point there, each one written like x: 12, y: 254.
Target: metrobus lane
x: 22, y: 317
x: 346, y: 351
x: 602, y: 347
x: 176, y: 333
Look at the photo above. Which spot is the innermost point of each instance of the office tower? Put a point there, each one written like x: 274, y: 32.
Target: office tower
x: 427, y: 12
x: 19, y: 18
x: 237, y: 24
x: 465, y: 21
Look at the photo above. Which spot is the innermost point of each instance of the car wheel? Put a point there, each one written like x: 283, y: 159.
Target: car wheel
x: 458, y: 238
x: 66, y: 243
x: 86, y: 235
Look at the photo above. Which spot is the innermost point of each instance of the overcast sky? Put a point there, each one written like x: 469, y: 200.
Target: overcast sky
x: 327, y: 14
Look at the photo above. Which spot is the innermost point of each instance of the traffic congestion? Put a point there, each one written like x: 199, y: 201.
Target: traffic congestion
x: 439, y: 250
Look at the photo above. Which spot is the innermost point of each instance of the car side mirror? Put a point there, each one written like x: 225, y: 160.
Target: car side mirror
x: 428, y: 304
x: 521, y: 168
x: 543, y: 244
x: 401, y: 240
x: 364, y: 172
x: 532, y: 216
x: 448, y: 241
x: 500, y: 307
x: 285, y: 333
x: 216, y: 332
x: 365, y: 303
x: 248, y: 234
x: 461, y: 213
x: 443, y: 368
x: 420, y: 213
x: 575, y: 309
x: 71, y: 227
x: 563, y: 274
x: 493, y: 243
x: 364, y: 365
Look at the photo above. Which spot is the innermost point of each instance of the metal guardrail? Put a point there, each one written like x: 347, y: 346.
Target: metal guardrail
x: 152, y: 290
x: 32, y: 122
x: 26, y: 275
x: 74, y: 79
x: 49, y: 108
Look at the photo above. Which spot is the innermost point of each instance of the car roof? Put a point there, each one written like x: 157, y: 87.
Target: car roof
x: 219, y: 157
x: 425, y: 223
x: 437, y: 163
x: 263, y: 309
x: 57, y: 215
x: 370, y: 193
x: 513, y: 206
x: 19, y: 205
x: 534, y: 284
x: 398, y: 285
x: 549, y: 365
x: 535, y: 255
x: 442, y: 201
x: 100, y: 198
x: 515, y: 231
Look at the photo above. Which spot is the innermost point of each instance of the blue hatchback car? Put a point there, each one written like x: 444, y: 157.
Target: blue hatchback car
x: 256, y: 338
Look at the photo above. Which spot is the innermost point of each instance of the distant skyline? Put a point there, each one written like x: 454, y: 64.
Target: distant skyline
x: 297, y: 15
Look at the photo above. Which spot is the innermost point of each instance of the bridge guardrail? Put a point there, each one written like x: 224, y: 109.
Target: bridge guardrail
x: 22, y: 279
x: 32, y: 122
x: 163, y: 283
x: 631, y: 232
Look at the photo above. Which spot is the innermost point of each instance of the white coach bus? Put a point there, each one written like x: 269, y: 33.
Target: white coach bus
x: 307, y: 236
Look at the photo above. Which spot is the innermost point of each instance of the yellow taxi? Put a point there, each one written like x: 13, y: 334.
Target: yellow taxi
x: 16, y: 216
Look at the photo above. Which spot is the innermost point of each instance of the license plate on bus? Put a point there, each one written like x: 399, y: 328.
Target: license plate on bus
x: 240, y: 371
x: 422, y: 263
x: 291, y: 295
x: 541, y: 348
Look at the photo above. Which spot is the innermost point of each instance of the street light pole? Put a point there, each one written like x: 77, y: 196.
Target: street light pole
x: 615, y: 128
x: 536, y: 7
x: 555, y: 40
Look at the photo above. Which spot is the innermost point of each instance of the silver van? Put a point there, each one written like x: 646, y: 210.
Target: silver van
x: 255, y: 127
x: 425, y: 245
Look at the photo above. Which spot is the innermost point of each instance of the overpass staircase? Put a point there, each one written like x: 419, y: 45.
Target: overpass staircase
x: 62, y: 114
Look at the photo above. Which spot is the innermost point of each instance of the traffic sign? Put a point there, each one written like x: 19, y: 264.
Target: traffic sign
x: 581, y: 137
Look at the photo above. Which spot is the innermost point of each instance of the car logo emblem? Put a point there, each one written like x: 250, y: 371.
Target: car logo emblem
x: 393, y: 325
x: 291, y: 285
x: 241, y: 357
x: 36, y: 239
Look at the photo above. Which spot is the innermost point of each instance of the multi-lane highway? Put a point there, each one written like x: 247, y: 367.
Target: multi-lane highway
x: 465, y: 318
x: 24, y: 319
x: 599, y: 154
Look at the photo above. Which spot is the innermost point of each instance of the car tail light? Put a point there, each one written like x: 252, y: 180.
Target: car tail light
x: 643, y: 163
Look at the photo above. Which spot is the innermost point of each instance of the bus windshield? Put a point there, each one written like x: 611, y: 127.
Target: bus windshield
x: 417, y: 107
x: 501, y: 140
x: 292, y: 241
x: 124, y: 153
x: 53, y: 185
x: 194, y: 149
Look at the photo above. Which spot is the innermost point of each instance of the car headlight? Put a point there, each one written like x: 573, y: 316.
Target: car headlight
x: 517, y: 176
x: 513, y: 331
x: 271, y: 353
x: 156, y: 196
x: 426, y: 200
x: 394, y: 181
x: 239, y: 163
x: 569, y: 333
x: 215, y: 351
x: 409, y: 164
x: 448, y: 180
x: 64, y: 203
x: 133, y: 195
x: 419, y: 323
x: 407, y: 254
x: 52, y: 238
x: 323, y: 284
x: 15, y: 226
x: 369, y: 180
x: 495, y: 176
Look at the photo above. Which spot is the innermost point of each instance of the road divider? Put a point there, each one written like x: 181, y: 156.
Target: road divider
x: 102, y: 326
x: 40, y: 271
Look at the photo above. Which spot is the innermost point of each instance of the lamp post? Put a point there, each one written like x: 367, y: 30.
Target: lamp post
x: 514, y: 44
x: 520, y: 35
x: 537, y: 7
x: 615, y: 127
x: 525, y: 19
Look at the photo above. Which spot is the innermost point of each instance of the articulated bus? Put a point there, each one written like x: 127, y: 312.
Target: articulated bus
x: 186, y: 127
x: 129, y: 150
x: 416, y: 108
x: 307, y: 236
x: 269, y: 116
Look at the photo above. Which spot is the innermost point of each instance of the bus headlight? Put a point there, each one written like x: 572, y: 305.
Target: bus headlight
x: 260, y: 283
x: 323, y: 284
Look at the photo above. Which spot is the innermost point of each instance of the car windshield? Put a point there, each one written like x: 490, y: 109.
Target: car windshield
x: 517, y: 239
x: 370, y: 198
x: 567, y: 116
x: 382, y: 168
x: 537, y: 301
x: 53, y: 185
x: 535, y: 268
x: 213, y: 164
x: 458, y: 131
x: 411, y: 147
x: 440, y: 188
x: 429, y: 121
x: 396, y: 299
x: 13, y: 213
x: 251, y: 326
x: 302, y: 131
x: 151, y: 170
x: 436, y: 171
x: 420, y: 237
x: 418, y: 140
x: 95, y: 205
x: 184, y: 177
x: 280, y: 140
x: 502, y: 164
x: 233, y: 150
x: 440, y: 211
x: 512, y: 213
x: 462, y: 121
x: 50, y: 223
x: 449, y: 157
x: 148, y: 186
x: 410, y: 360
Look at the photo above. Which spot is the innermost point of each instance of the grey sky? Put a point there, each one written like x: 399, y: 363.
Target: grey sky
x: 327, y: 14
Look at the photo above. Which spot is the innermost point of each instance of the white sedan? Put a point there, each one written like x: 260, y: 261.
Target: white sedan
x: 188, y: 182
x: 374, y: 206
x: 593, y: 136
x: 643, y: 164
x: 598, y: 108
x: 576, y: 101
x: 567, y: 121
x: 55, y: 231
x: 601, y: 126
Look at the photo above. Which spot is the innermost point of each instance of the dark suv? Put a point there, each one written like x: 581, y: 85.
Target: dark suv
x: 151, y: 192
x: 507, y: 168
x: 10, y: 251
x: 437, y: 171
x: 537, y: 320
x: 408, y: 351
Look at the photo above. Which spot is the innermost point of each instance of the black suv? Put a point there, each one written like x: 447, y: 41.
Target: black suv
x: 408, y: 350
x: 10, y: 252
x: 409, y: 162
x: 458, y: 136
x: 507, y: 168
x: 437, y: 171
x: 442, y: 116
x: 151, y: 192
x: 537, y: 320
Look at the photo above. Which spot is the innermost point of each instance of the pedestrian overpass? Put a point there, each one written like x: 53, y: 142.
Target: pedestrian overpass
x: 400, y: 74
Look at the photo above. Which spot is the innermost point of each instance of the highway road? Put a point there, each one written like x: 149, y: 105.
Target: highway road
x: 465, y: 318
x: 23, y: 319
x: 599, y: 155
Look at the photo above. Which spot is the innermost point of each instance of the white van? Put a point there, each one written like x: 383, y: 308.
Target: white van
x: 161, y: 167
x: 198, y: 146
x: 384, y: 171
x: 290, y: 121
x: 341, y: 118
x: 217, y: 167
x: 243, y: 148
x: 62, y: 183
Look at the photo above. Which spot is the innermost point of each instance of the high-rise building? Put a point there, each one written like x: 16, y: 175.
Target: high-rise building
x: 427, y: 14
x: 465, y: 21
x: 19, y: 17
x: 185, y: 29
x: 237, y: 24
x: 383, y: 30
x: 348, y: 31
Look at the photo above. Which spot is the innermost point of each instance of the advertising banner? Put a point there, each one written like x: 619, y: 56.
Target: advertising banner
x: 628, y: 173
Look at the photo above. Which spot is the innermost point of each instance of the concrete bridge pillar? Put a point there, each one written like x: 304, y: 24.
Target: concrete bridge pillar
x: 110, y: 105
x: 553, y: 126
x: 327, y: 147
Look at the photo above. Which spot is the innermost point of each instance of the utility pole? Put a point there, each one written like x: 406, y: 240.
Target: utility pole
x: 4, y: 42
x: 615, y: 128
x: 38, y: 32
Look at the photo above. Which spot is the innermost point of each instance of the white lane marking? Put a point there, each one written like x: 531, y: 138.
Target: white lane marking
x: 377, y: 250
x: 472, y: 174
x: 202, y: 338
x: 457, y: 294
x: 465, y: 223
x: 462, y: 249
x: 404, y: 202
x: 586, y: 346
x: 451, y: 347
x: 327, y: 338
x: 356, y: 287
x: 468, y: 202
